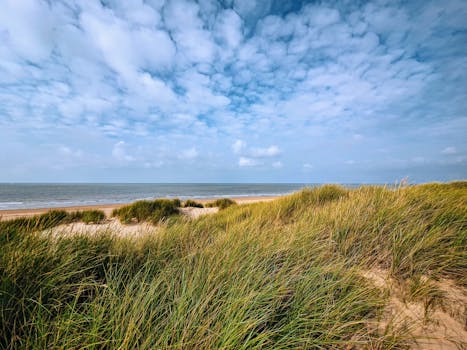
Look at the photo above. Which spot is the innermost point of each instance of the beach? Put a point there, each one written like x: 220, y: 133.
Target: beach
x: 8, y: 214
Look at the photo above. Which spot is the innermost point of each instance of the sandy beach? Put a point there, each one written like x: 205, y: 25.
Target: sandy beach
x: 9, y: 214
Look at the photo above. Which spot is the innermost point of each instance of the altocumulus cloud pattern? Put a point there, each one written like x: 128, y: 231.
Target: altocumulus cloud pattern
x: 350, y: 91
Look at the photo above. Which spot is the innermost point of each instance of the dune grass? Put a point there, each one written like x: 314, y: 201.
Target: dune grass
x: 88, y: 216
x: 275, y: 275
x: 221, y: 203
x: 192, y: 203
x: 151, y: 211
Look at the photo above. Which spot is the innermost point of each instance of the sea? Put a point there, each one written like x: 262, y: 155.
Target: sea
x: 50, y: 195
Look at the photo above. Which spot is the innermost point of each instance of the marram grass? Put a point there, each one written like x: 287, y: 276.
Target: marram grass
x: 192, y: 203
x: 221, y: 203
x: 153, y: 211
x: 273, y: 275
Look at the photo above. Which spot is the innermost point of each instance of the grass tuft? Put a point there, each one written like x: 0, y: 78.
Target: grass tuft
x: 151, y: 211
x: 192, y: 203
x: 90, y: 216
x: 221, y: 203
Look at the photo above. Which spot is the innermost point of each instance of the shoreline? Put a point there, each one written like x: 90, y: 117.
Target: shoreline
x: 8, y: 214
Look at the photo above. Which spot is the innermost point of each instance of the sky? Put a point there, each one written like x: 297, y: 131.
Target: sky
x: 233, y: 91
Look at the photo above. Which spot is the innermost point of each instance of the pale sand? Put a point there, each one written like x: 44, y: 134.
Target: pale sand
x: 443, y: 327
x: 114, y: 226
x: 107, y: 208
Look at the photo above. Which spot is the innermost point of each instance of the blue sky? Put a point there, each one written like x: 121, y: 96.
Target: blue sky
x: 233, y: 91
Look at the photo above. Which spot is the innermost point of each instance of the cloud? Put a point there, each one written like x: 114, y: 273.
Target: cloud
x: 247, y: 162
x: 270, y: 151
x: 250, y: 156
x: 228, y: 29
x: 188, y: 154
x: 186, y: 27
x: 29, y: 26
x: 310, y: 82
x: 449, y: 150
x: 151, y: 165
x: 67, y: 152
x: 238, y: 146
x: 120, y: 152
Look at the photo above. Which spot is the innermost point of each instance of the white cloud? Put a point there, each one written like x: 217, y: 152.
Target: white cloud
x: 449, y: 150
x: 229, y: 28
x: 154, y: 164
x: 270, y: 151
x: 189, y: 154
x: 199, y: 95
x: 68, y: 152
x: 247, y: 162
x: 29, y: 26
x: 308, y: 166
x: 119, y: 152
x: 238, y: 146
x: 194, y: 42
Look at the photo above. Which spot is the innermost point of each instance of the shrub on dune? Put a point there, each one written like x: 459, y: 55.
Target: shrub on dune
x: 93, y: 216
x: 192, y: 203
x: 87, y: 216
x: 177, y: 202
x: 152, y: 211
x: 221, y: 203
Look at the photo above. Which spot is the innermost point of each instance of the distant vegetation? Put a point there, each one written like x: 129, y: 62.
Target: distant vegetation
x: 88, y: 216
x: 286, y: 274
x: 221, y: 203
x: 192, y: 203
x: 150, y: 211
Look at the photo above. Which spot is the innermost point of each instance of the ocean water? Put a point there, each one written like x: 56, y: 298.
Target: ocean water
x: 19, y: 196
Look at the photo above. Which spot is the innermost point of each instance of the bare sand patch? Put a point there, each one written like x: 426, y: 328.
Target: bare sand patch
x: 441, y: 327
x: 194, y: 213
x: 112, y: 225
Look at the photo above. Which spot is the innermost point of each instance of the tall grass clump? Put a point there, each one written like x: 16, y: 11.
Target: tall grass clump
x: 221, y: 203
x: 151, y: 211
x: 192, y: 203
x: 285, y: 274
x: 88, y: 216
x: 177, y: 202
